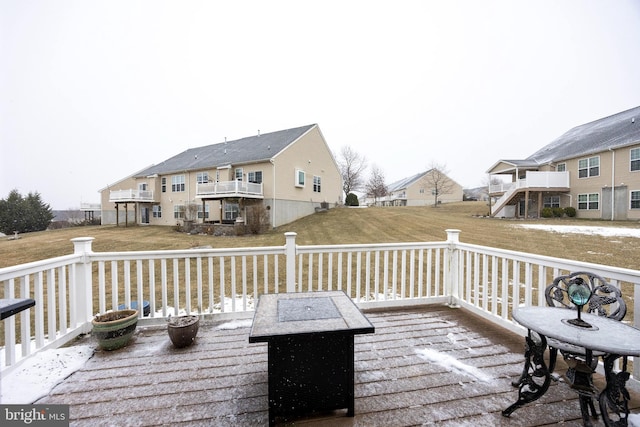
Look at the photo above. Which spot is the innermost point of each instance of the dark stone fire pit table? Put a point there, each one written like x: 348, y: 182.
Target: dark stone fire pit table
x: 310, y: 352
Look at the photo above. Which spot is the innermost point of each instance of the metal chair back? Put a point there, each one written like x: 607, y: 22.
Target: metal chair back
x: 606, y: 300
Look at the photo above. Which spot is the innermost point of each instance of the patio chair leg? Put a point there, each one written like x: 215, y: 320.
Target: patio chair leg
x: 553, y: 356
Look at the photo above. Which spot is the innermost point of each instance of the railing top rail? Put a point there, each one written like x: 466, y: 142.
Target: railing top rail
x: 625, y: 274
x: 186, y: 253
x: 358, y: 247
x: 14, y: 271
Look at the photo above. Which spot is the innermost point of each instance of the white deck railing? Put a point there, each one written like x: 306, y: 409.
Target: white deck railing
x: 229, y: 188
x: 85, y: 206
x: 131, y: 195
x: 70, y: 290
x: 534, y: 179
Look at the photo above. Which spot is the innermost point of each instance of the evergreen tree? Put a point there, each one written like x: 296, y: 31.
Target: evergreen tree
x: 351, y: 200
x: 23, y: 215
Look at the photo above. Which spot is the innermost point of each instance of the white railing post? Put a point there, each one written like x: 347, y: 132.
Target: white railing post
x: 290, y: 255
x: 83, y: 302
x: 636, y: 323
x: 452, y: 281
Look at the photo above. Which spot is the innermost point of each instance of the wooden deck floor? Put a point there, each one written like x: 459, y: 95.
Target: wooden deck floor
x: 221, y: 380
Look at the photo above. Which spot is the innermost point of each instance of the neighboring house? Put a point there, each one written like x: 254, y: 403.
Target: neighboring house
x: 419, y: 190
x: 287, y: 174
x: 594, y: 168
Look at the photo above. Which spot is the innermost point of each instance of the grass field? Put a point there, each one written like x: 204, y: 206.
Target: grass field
x: 343, y: 226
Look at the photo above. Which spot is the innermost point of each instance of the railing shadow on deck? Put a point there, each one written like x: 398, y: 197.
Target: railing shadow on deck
x: 224, y: 283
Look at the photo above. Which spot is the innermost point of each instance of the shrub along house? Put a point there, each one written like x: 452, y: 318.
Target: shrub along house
x: 594, y: 168
x: 273, y: 178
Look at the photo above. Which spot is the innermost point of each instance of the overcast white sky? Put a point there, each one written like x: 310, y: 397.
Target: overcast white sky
x: 93, y: 91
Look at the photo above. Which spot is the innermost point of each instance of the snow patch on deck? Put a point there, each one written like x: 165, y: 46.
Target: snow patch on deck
x: 452, y: 364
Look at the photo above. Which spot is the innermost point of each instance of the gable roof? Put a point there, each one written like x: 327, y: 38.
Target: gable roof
x: 406, y: 182
x: 616, y: 131
x: 251, y: 149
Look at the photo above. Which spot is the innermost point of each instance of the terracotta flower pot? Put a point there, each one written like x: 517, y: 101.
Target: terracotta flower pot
x: 183, y: 330
x: 114, y: 329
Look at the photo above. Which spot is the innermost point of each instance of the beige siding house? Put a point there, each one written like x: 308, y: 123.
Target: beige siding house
x: 287, y: 174
x: 420, y: 189
x: 594, y: 168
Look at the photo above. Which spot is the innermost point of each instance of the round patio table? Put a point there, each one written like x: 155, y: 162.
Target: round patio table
x: 612, y: 338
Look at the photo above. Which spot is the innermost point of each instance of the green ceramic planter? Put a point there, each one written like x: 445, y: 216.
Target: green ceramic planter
x: 113, y: 330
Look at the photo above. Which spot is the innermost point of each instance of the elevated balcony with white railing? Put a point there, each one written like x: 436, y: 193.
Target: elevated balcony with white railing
x: 224, y: 189
x: 534, y: 180
x: 85, y: 206
x: 131, y: 195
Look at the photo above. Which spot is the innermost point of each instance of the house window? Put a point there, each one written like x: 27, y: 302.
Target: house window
x: 635, y: 159
x: 178, y: 211
x: 142, y: 186
x: 163, y: 184
x: 177, y: 183
x: 238, y: 174
x: 635, y: 200
x: 206, y: 211
x: 157, y: 211
x: 588, y: 201
x: 255, y: 177
x: 562, y: 167
x: 589, y: 167
x: 299, y: 178
x: 231, y: 211
x: 316, y: 184
x: 551, y: 202
x: 202, y: 177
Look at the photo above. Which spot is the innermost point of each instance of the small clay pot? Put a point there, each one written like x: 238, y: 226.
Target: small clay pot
x: 183, y: 330
x: 114, y: 329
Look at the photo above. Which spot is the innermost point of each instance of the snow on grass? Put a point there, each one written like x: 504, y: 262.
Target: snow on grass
x: 585, y: 229
x: 452, y: 364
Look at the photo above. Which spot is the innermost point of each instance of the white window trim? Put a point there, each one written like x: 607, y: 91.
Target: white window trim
x: 297, y: 178
x: 588, y: 168
x: 178, y: 184
x: 631, y: 159
x: 631, y: 198
x: 588, y: 201
x: 251, y: 176
x: 179, y: 211
x: 200, y: 177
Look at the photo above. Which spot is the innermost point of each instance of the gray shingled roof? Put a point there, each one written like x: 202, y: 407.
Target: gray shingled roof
x: 405, y: 182
x: 255, y: 148
x: 616, y: 131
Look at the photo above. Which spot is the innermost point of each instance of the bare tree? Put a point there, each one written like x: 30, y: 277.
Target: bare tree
x: 486, y: 193
x: 376, y: 187
x: 352, y: 167
x: 191, y: 211
x: 437, y: 181
x: 487, y: 182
